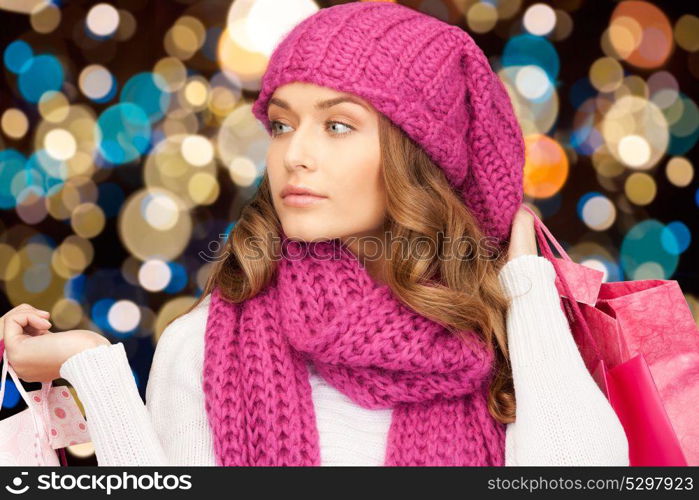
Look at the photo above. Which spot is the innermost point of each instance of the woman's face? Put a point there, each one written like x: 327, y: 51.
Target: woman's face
x: 331, y: 148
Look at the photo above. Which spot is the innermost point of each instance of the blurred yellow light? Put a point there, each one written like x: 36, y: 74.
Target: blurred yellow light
x: 635, y: 131
x: 243, y: 172
x: 87, y: 220
x: 66, y: 313
x: 60, y: 144
x: 634, y: 150
x: 127, y: 25
x: 625, y: 35
x: 680, y: 171
x: 203, y: 188
x: 169, y: 311
x: 9, y: 262
x: 481, y: 17
x: 54, y: 106
x: 161, y: 211
x: 223, y: 101
x: 137, y: 231
x: 242, y: 135
x: 606, y: 74
x: 258, y: 26
x: 640, y: 188
x: 197, y: 150
x: 14, y: 123
x: 45, y: 17
x: 507, y: 10
x: 196, y: 93
x: 238, y: 62
x: 687, y: 32
x: 73, y: 255
x: 172, y: 72
x: 564, y: 26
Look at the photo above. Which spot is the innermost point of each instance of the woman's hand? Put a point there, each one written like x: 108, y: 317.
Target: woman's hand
x: 35, y: 353
x: 523, y: 236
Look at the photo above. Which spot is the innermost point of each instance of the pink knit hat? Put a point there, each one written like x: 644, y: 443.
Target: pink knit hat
x: 430, y: 79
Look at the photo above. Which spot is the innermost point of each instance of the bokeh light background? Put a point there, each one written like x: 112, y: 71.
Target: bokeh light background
x: 128, y: 146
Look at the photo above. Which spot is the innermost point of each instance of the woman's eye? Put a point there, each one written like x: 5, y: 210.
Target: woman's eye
x: 343, y: 124
x: 273, y: 124
x: 276, y: 132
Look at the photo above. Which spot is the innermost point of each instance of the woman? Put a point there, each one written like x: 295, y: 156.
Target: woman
x: 380, y: 300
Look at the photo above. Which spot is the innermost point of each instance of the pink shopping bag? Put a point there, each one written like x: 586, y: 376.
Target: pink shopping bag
x: 660, y: 447
x: 640, y: 342
x: 51, y: 421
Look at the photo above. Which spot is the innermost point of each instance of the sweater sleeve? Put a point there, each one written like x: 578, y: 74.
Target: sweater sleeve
x: 170, y: 428
x: 562, y: 417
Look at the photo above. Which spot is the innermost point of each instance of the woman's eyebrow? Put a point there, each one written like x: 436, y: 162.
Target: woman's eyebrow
x: 320, y: 105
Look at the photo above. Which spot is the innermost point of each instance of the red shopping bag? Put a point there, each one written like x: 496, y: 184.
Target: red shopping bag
x: 641, y: 344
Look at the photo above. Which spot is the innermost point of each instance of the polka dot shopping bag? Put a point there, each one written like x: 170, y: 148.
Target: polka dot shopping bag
x: 37, y: 435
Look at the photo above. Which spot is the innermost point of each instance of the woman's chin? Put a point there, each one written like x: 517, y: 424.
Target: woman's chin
x: 302, y: 232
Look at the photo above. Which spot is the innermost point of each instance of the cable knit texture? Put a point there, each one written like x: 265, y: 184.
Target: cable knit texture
x: 323, y: 306
x: 430, y: 79
x: 562, y: 416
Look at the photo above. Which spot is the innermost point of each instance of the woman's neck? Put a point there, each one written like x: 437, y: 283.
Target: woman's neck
x: 370, y: 250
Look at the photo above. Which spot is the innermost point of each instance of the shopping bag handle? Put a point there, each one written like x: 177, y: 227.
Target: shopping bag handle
x: 539, y: 225
x: 543, y: 237
x: 39, y: 424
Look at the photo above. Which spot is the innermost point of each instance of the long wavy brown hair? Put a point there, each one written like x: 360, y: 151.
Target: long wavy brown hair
x: 462, y: 294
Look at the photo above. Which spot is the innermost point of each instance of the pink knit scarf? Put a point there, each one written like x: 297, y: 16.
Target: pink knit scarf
x: 323, y: 307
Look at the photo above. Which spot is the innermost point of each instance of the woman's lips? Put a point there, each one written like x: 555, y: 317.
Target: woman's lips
x: 302, y: 200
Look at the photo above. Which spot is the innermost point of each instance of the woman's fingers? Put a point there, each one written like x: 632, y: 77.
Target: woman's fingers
x: 30, y: 308
x: 17, y: 322
x: 523, y: 237
x: 30, y: 328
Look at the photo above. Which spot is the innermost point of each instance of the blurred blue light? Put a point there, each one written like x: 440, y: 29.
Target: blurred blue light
x: 145, y: 90
x: 178, y: 279
x: 124, y: 133
x: 100, y: 311
x: 74, y: 288
x: 12, y: 162
x: 44, y: 73
x: 643, y: 245
x: 17, y: 56
x: 53, y: 172
x: 11, y: 397
x: 676, y: 237
x: 526, y: 49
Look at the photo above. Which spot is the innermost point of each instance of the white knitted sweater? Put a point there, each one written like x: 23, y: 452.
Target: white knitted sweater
x: 563, y: 418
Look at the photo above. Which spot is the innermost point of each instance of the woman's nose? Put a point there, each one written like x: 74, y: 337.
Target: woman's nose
x: 299, y: 153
